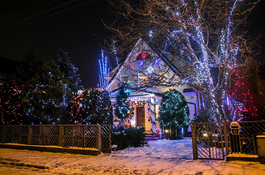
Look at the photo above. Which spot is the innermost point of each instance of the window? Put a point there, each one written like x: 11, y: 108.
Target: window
x: 125, y: 79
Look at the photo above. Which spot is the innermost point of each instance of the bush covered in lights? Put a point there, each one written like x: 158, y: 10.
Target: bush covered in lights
x: 91, y: 107
x: 128, y: 137
x: 44, y: 95
x: 174, y: 113
x: 123, y: 108
x: 11, y: 110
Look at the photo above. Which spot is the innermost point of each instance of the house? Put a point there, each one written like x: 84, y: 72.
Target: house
x: 148, y: 73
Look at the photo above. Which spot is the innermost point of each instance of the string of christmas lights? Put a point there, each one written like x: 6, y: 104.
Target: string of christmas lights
x: 103, y: 71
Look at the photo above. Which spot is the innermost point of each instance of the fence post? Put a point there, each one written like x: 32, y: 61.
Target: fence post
x: 60, y: 135
x: 222, y: 139
x: 110, y: 137
x: 194, y: 141
x: 83, y: 137
x: 226, y: 139
x: 3, y: 133
x: 98, y: 137
x: 209, y: 143
x: 29, y: 134
x: 254, y: 145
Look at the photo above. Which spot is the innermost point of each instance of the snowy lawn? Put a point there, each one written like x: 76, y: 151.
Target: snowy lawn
x: 163, y: 149
x: 160, y: 157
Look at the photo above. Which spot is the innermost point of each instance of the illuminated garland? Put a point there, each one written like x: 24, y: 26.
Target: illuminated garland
x: 138, y: 103
x: 151, y: 105
x: 151, y: 109
x: 153, y: 114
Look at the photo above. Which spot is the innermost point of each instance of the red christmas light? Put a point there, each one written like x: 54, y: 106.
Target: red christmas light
x: 143, y: 55
x: 241, y: 93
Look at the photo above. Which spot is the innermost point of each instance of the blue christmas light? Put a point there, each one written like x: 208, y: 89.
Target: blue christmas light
x: 150, y: 34
x: 103, y: 71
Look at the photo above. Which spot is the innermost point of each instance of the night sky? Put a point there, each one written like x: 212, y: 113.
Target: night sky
x: 48, y: 25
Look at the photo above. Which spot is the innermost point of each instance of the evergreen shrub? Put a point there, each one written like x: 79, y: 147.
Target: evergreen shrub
x: 174, y: 113
x: 128, y: 137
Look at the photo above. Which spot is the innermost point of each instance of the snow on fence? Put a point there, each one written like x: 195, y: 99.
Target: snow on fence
x: 86, y: 136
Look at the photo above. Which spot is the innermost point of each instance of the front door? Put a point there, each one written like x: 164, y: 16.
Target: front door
x: 140, y: 116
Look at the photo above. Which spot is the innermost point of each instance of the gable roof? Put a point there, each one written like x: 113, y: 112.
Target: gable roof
x: 174, y: 65
x: 120, y: 66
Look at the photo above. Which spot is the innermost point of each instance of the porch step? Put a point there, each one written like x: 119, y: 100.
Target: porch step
x: 151, y: 137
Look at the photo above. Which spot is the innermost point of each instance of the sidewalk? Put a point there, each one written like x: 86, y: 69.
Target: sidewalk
x: 162, y: 157
x: 55, y: 149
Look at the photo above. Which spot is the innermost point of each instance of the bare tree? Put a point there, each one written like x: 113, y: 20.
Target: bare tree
x: 203, y: 40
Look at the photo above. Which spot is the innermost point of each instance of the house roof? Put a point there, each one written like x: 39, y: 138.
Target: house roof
x: 178, y: 65
x: 145, y: 91
x: 173, y: 64
x: 120, y: 66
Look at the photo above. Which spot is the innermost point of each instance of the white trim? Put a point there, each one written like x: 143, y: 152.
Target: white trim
x: 129, y: 55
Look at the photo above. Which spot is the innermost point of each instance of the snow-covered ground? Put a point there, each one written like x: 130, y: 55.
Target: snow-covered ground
x: 162, y: 149
x: 160, y: 157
